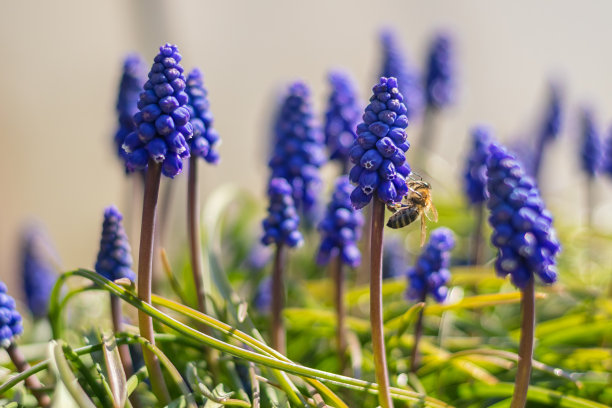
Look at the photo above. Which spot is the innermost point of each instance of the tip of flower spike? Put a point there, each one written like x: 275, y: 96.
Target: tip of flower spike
x: 299, y: 88
x: 114, y: 257
x: 112, y: 212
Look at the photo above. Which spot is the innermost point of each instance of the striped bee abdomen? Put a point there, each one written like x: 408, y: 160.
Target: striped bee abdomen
x: 403, y: 217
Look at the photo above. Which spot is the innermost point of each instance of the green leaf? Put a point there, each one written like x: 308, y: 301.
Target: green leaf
x: 534, y: 394
x: 114, y: 370
x: 62, y: 371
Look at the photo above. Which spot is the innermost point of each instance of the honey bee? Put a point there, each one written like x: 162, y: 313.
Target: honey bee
x: 415, y: 204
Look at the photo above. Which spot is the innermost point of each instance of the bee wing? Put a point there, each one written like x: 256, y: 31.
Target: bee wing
x: 423, y: 230
x: 431, y: 213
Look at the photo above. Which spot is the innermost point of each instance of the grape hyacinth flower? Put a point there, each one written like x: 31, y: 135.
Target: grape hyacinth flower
x: 475, y: 182
x: 115, y: 257
x: 263, y: 295
x: 298, y: 152
x: 205, y: 137
x: 10, y: 323
x: 380, y: 171
x: 127, y: 100
x: 340, y: 231
x: 281, y: 225
x: 341, y: 228
x: 162, y: 121
x: 379, y: 152
x: 440, y: 78
x: 281, y: 229
x: 11, y: 327
x: 607, y: 167
x: 394, y: 258
x: 38, y: 271
x: 159, y: 144
x: 430, y: 276
x: 550, y: 127
x: 591, y: 156
x: 439, y: 91
x: 115, y: 262
x: 202, y: 145
x: 395, y: 64
x: 525, y: 237
x: 341, y: 118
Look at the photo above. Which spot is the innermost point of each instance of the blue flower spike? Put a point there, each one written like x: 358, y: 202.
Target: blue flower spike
x: 379, y: 152
x: 522, y: 227
x: 440, y: 77
x: 395, y: 64
x: 298, y: 153
x: 127, y: 100
x: 114, y: 257
x: 162, y: 122
x: 205, y: 137
x: 591, y: 153
x: 281, y: 225
x: 10, y: 319
x: 475, y: 175
x: 340, y: 228
x: 342, y: 116
x: 39, y: 275
x: 431, y: 272
x: 607, y: 168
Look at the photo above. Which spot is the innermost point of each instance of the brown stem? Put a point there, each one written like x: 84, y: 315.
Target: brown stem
x: 165, y: 205
x: 376, y: 307
x: 338, y: 272
x: 418, y: 333
x: 145, y: 265
x: 477, y: 241
x: 193, y: 226
x: 519, y: 397
x: 278, y: 300
x: 32, y: 381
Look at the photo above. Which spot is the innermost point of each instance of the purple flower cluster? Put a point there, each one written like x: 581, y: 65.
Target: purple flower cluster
x: 396, y: 65
x: 342, y: 116
x: 551, y: 127
x: 379, y: 152
x: 10, y: 319
x: 162, y: 122
x: 607, y: 168
x: 440, y: 79
x: 522, y: 227
x: 38, y: 273
x: 431, y: 274
x: 298, y: 152
x: 591, y: 153
x: 394, y: 257
x: 114, y: 257
x: 202, y: 144
x: 341, y: 227
x: 129, y: 89
x: 475, y: 175
x: 281, y: 225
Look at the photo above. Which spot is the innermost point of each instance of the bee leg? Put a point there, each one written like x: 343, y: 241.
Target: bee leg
x: 423, y: 229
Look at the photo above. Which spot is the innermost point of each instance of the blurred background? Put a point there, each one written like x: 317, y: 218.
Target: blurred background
x: 63, y: 59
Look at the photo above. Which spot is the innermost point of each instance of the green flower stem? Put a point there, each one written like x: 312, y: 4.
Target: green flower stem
x: 338, y: 273
x: 278, y: 301
x: 145, y: 271
x: 376, y: 306
x: 418, y: 333
x: 273, y: 362
x: 477, y: 241
x: 193, y: 227
x: 31, y: 381
x: 519, y: 397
